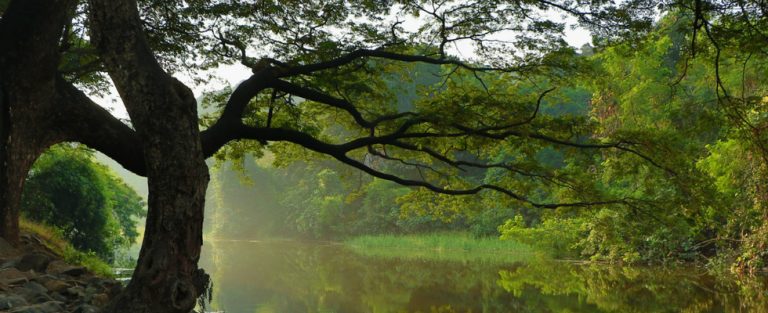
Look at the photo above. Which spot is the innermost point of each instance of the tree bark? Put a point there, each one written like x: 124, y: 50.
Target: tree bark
x: 163, y: 111
x: 29, y: 36
x: 15, y: 162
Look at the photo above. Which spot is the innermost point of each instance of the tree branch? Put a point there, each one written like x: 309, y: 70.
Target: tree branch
x: 339, y: 152
x: 317, y: 96
x: 82, y: 120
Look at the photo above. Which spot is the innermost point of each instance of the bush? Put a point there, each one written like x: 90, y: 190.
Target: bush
x: 557, y: 236
x: 93, y: 208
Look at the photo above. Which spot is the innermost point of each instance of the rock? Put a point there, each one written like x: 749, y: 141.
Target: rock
x: 94, y: 289
x: 35, y: 280
x: 74, y: 271
x: 34, y: 261
x: 76, y: 291
x: 56, y: 266
x: 33, y: 293
x: 35, y: 287
x: 56, y: 285
x: 15, y: 281
x: 48, y: 307
x: 12, y: 276
x: 100, y: 299
x: 6, y: 249
x: 40, y: 298
x: 32, y: 239
x: 44, y: 278
x: 57, y: 296
x: 9, y: 301
x: 8, y: 263
x: 85, y: 308
x: 98, y: 281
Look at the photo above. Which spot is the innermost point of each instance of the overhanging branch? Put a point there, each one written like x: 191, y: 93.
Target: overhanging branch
x: 339, y: 152
x: 88, y: 123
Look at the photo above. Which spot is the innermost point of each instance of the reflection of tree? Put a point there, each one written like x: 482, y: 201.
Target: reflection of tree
x: 286, y: 276
x: 289, y: 277
x: 632, y: 289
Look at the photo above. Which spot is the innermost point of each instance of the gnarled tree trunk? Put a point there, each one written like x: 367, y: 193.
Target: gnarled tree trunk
x: 163, y: 111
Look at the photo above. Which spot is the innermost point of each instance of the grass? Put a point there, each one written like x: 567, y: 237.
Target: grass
x: 53, y: 240
x: 442, y: 247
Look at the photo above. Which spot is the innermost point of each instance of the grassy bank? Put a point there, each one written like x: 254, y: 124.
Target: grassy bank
x: 53, y: 240
x: 442, y: 247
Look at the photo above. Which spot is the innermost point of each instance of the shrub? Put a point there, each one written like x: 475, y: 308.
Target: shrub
x: 93, y: 208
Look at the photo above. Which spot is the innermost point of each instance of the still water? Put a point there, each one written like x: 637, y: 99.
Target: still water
x: 290, y: 276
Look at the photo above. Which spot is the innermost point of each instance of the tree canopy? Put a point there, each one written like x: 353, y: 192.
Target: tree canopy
x: 327, y: 82
x: 95, y: 210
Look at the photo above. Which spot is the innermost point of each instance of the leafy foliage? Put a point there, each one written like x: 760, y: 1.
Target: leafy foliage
x: 700, y: 197
x: 94, y: 209
x: 557, y: 236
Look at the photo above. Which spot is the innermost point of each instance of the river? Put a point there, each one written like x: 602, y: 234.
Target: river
x: 289, y: 276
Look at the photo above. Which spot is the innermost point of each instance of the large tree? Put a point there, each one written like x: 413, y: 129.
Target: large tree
x: 317, y: 67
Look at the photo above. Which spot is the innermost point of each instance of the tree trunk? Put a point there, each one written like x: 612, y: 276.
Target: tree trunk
x: 10, y: 180
x: 8, y: 228
x: 164, y: 113
x: 14, y: 165
x: 29, y: 36
x: 166, y: 278
x: 22, y: 145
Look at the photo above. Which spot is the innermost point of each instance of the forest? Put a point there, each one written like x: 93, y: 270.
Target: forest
x: 361, y: 122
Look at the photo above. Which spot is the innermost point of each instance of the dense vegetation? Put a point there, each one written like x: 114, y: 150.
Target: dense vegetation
x: 92, y: 208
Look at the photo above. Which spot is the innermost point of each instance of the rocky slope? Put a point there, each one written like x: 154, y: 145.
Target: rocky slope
x: 33, y: 279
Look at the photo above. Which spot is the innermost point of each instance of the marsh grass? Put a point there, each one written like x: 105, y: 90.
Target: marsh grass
x: 54, y: 240
x: 454, y: 246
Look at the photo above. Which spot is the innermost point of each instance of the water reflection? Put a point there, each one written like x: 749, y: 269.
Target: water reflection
x: 287, y: 276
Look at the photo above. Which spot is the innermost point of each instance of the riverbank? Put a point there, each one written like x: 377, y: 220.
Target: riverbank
x: 46, y: 275
x: 457, y: 246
